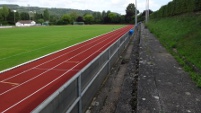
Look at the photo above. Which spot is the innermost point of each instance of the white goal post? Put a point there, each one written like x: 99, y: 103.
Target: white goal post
x: 78, y: 23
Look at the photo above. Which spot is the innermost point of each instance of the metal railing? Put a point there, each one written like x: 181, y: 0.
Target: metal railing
x: 76, y: 94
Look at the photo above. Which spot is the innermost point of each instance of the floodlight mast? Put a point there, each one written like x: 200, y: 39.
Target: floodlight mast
x: 148, y: 11
x: 14, y: 15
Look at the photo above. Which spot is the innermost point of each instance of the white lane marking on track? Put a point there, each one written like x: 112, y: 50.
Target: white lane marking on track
x: 72, y: 61
x: 58, y: 69
x: 11, y: 83
x: 55, y: 66
x: 50, y: 60
x: 47, y: 84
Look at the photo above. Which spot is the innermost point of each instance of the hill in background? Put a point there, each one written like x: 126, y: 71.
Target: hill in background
x: 52, y: 11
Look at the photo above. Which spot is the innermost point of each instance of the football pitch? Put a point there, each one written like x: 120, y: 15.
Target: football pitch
x: 19, y: 45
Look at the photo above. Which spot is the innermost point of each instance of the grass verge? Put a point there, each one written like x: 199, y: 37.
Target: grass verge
x: 181, y: 35
x: 18, y: 45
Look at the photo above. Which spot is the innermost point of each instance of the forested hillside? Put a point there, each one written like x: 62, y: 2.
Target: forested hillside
x: 10, y: 14
x: 178, y: 27
x: 52, y: 11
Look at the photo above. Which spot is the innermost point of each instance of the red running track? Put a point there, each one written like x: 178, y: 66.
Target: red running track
x: 22, y: 89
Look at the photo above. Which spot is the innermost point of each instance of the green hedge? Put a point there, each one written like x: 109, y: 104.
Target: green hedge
x: 177, y: 7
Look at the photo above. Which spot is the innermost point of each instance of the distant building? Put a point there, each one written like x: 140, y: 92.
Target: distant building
x: 22, y: 23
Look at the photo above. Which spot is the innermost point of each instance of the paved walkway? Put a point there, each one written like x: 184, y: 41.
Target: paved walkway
x: 163, y: 86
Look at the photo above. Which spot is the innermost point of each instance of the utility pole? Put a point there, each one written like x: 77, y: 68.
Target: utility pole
x: 135, y: 12
x: 147, y: 11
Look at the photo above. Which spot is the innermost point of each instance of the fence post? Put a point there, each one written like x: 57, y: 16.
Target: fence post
x: 80, y: 93
x: 119, y: 43
x: 125, y: 39
x: 109, y: 57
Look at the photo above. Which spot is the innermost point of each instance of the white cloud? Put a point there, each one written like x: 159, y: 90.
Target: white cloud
x: 118, y: 6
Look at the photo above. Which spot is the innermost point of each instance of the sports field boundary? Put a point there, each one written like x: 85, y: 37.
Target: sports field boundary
x: 5, y: 70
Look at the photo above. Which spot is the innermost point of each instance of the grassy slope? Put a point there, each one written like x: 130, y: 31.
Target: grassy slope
x: 18, y: 45
x: 181, y: 35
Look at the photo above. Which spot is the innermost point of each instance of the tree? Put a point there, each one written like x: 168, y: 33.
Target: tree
x: 178, y: 9
x: 114, y: 18
x: 88, y: 18
x: 5, y: 12
x: 53, y: 19
x: 190, y: 5
x: 97, y: 17
x: 106, y: 18
x: 31, y: 15
x: 103, y: 15
x: 46, y: 15
x: 24, y: 16
x: 80, y: 19
x: 170, y: 8
x: 10, y: 17
x: 38, y: 16
x: 141, y: 16
x: 1, y: 16
x: 197, y: 5
x: 66, y: 19
x: 17, y: 16
x: 130, y: 12
x: 73, y: 16
x: 41, y: 21
x: 122, y: 19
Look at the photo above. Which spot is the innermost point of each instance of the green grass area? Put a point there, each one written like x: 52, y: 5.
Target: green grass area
x: 181, y: 35
x: 18, y: 45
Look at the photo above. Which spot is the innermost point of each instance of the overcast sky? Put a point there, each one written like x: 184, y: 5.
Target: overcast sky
x: 118, y: 6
